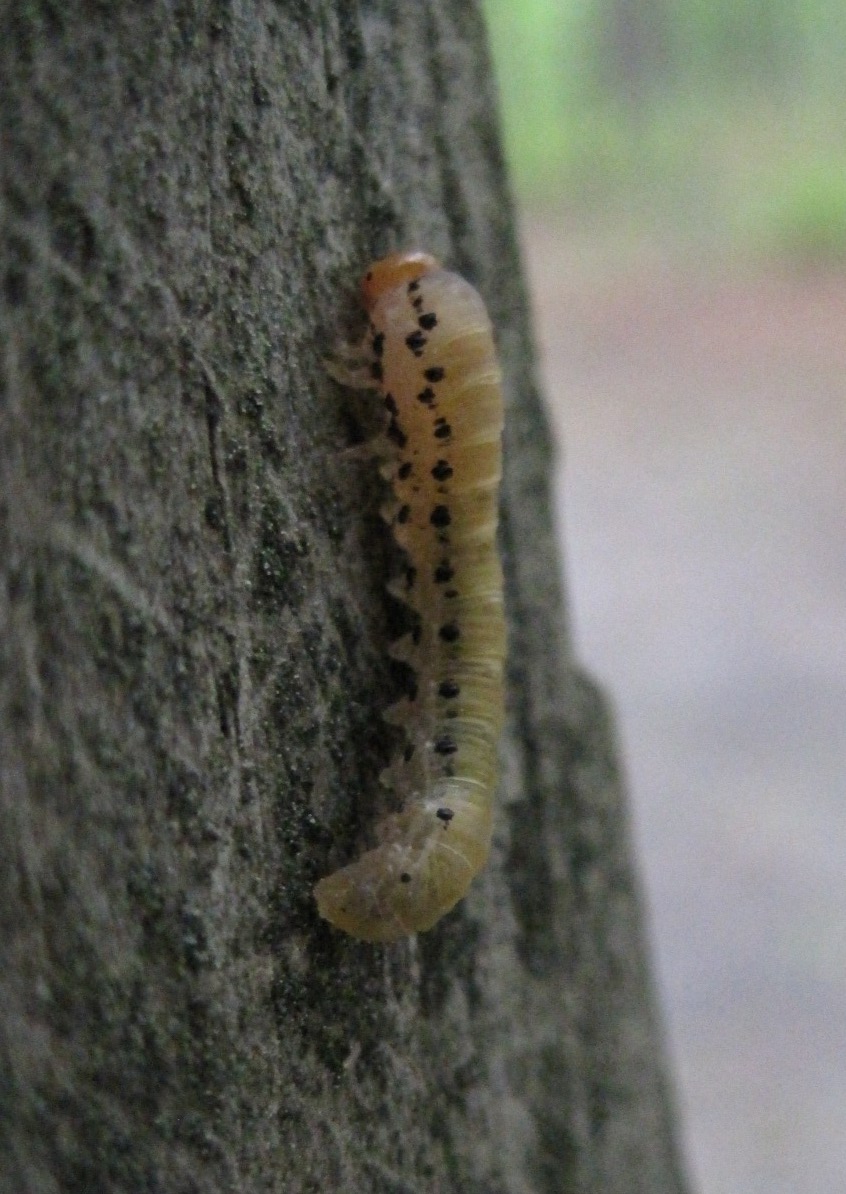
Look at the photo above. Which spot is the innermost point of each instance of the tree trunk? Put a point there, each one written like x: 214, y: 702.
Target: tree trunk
x: 194, y: 632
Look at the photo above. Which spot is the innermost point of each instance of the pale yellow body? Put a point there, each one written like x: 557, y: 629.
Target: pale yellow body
x: 433, y: 360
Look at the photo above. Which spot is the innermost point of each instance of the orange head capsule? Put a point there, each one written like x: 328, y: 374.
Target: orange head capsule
x: 393, y: 271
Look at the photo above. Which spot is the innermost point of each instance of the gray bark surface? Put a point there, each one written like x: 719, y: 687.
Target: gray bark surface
x: 194, y: 632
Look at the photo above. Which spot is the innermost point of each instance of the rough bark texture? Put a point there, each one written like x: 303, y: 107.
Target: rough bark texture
x: 194, y: 628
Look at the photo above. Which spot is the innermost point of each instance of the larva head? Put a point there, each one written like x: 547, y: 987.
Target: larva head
x: 393, y: 271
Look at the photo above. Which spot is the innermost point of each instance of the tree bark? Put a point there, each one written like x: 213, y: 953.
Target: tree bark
x: 194, y: 633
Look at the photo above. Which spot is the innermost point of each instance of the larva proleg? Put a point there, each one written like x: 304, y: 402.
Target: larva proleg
x: 433, y: 362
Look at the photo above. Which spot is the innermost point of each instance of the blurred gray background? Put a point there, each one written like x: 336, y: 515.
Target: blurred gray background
x: 682, y: 174
x: 701, y: 499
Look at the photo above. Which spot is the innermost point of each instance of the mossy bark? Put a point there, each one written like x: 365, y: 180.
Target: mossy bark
x: 194, y: 630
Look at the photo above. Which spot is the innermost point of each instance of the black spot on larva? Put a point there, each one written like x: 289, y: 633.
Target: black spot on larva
x: 410, y: 576
x: 444, y: 573
x: 416, y: 635
x: 417, y: 303
x: 403, y: 513
x: 408, y: 753
x: 450, y: 593
x: 391, y: 404
x: 379, y: 344
x: 416, y: 341
x: 449, y: 632
x: 445, y: 815
x: 428, y: 321
x: 442, y: 430
x: 434, y: 373
x: 427, y: 396
x: 442, y: 470
x: 440, y: 516
x: 404, y: 470
x: 413, y: 287
x: 405, y: 877
x: 376, y: 370
x: 448, y: 689
x: 412, y: 689
x: 396, y: 434
x: 445, y: 745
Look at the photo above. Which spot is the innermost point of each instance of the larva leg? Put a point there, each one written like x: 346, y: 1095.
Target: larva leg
x: 351, y: 365
x: 353, y: 377
x: 377, y: 448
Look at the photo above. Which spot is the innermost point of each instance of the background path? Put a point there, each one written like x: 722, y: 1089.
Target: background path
x: 703, y: 420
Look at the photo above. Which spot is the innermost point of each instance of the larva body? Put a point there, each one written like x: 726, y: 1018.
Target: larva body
x: 431, y: 354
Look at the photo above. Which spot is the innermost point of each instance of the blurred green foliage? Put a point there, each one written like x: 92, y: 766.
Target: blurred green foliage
x: 718, y: 122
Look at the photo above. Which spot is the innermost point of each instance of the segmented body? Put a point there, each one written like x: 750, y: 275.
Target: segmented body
x: 432, y: 358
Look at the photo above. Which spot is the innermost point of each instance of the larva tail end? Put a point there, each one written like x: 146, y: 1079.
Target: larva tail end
x: 401, y: 887
x: 352, y: 900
